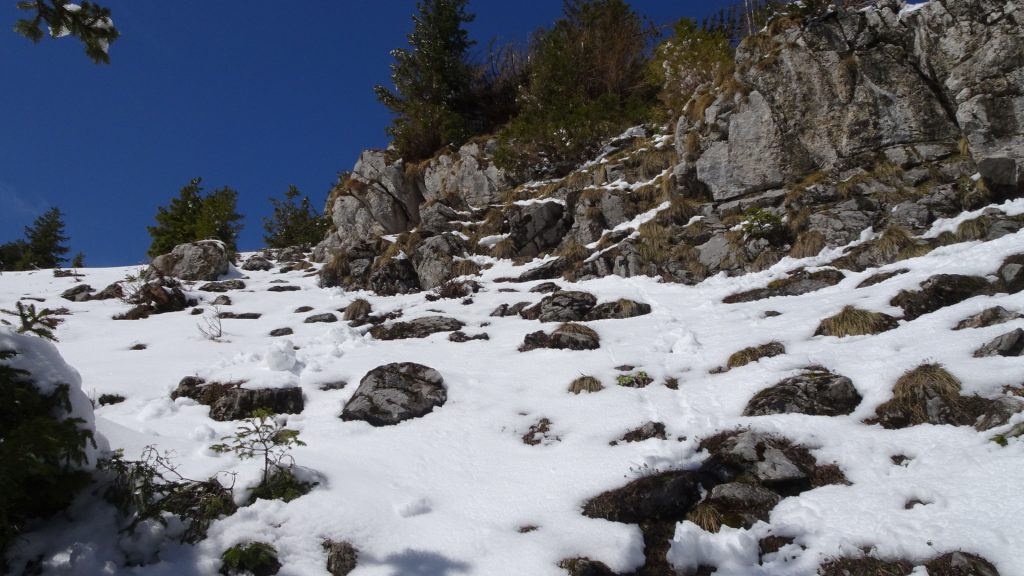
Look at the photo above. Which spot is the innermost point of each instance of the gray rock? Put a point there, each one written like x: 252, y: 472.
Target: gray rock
x: 396, y: 276
x: 797, y: 283
x: 565, y: 337
x: 509, y: 310
x: 468, y: 174
x: 284, y: 288
x: 221, y: 300
x: 748, y: 503
x: 1011, y: 274
x: 987, y: 317
x: 418, y: 328
x: 325, y: 317
x: 203, y: 260
x: 229, y: 401
x: 342, y: 558
x: 222, y: 286
x: 999, y: 412
x: 648, y: 431
x: 664, y: 496
x: 618, y: 310
x: 938, y: 292
x: 563, y: 306
x: 843, y: 223
x: 434, y: 259
x: 773, y: 461
x: 537, y: 227
x: 77, y: 293
x: 1009, y: 344
x: 816, y: 392
x: 257, y: 262
x: 278, y: 332
x: 396, y: 392
x: 960, y: 564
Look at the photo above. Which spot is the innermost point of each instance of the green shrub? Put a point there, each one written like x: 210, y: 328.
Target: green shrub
x: 41, y: 323
x: 255, y: 558
x: 761, y: 223
x: 42, y: 451
x: 294, y: 223
x: 193, y: 216
x: 262, y: 436
x: 693, y: 57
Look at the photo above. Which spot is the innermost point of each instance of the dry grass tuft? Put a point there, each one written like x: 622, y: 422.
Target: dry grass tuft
x: 357, y: 310
x: 465, y: 268
x: 975, y: 229
x: 855, y: 322
x: 707, y: 517
x: 585, y: 384
x: 909, y: 387
x: 504, y: 249
x: 809, y: 243
x: 755, y: 353
x: 573, y: 251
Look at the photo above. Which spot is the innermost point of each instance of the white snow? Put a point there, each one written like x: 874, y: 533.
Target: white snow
x: 448, y: 493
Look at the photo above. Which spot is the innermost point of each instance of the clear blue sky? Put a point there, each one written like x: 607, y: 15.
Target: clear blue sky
x: 254, y: 95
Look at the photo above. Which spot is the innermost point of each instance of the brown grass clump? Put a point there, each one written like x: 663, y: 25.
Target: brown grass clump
x: 465, y: 268
x: 334, y: 272
x: 809, y: 243
x: 357, y: 310
x: 573, y: 251
x: 587, y: 384
x: 698, y: 104
x: 855, y: 322
x: 865, y: 567
x: 504, y: 249
x: 572, y: 328
x: 707, y: 517
x: 691, y: 146
x: 679, y: 212
x: 578, y: 180
x: 908, y: 389
x: 755, y: 353
x: 975, y: 229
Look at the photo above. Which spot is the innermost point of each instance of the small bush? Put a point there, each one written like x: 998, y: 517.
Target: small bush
x: 41, y: 323
x: 851, y: 321
x: 255, y: 558
x: 761, y: 223
x: 264, y: 437
x: 635, y: 380
x: 358, y: 309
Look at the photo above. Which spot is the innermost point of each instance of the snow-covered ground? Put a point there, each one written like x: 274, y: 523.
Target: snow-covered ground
x: 448, y: 493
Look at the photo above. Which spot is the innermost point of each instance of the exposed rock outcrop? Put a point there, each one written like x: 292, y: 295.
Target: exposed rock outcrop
x: 204, y: 260
x: 396, y: 392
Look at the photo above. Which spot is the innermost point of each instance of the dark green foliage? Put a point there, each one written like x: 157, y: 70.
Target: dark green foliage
x: 90, y: 23
x: 40, y: 323
x: 145, y: 489
x: 78, y: 261
x: 45, y: 241
x: 293, y: 224
x: 41, y: 449
x: 256, y: 558
x: 12, y: 254
x: 692, y: 58
x: 586, y: 83
x: 432, y: 79
x: 761, y: 223
x: 280, y: 485
x: 192, y: 216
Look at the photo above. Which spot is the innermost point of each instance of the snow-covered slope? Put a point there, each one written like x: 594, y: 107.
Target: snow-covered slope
x: 457, y: 491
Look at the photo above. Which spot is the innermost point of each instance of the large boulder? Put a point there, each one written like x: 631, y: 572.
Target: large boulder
x: 537, y: 227
x: 817, y: 392
x: 396, y: 276
x: 562, y: 306
x: 468, y: 174
x: 434, y: 259
x: 205, y: 260
x: 395, y: 392
x: 229, y: 401
x: 418, y: 328
x: 664, y: 496
x: 938, y: 292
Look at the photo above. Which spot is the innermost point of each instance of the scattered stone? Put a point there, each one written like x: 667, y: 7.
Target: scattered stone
x: 927, y: 394
x: 741, y: 505
x: 865, y: 566
x: 221, y: 300
x: 773, y: 461
x: 342, y: 558
x: 395, y: 392
x: 988, y: 317
x: 999, y: 412
x: 545, y: 288
x: 77, y: 293
x: 620, y: 309
x: 637, y: 380
x: 960, y: 564
x: 138, y: 347
x: 206, y: 260
x: 229, y: 401
x: 257, y: 262
x: 196, y: 311
x: 802, y: 282
x: 326, y: 317
x: 565, y: 337
x: 938, y: 292
x: 585, y: 384
x: 460, y: 336
x: 585, y: 567
x: 646, y: 432
x: 302, y: 309
x: 222, y: 286
x: 108, y: 399
x: 1011, y: 274
x: 664, y: 496
x: 239, y: 316
x: 1009, y: 344
x: 753, y: 354
x: 816, y: 392
x: 880, y: 277
x: 283, y: 288
x: 277, y: 332
x: 396, y: 276
x: 357, y: 311
x: 111, y: 292
x: 570, y: 306
x: 328, y: 386
x: 418, y: 328
x: 507, y: 310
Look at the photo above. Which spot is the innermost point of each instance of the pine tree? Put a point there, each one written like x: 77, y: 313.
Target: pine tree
x: 89, y: 22
x: 432, y: 81
x: 44, y: 241
x: 192, y: 216
x: 293, y: 224
x: 12, y: 254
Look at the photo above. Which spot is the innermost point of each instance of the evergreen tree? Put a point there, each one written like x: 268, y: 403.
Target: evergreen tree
x: 44, y: 241
x: 432, y: 81
x: 89, y: 22
x: 12, y: 254
x: 293, y: 224
x: 192, y: 216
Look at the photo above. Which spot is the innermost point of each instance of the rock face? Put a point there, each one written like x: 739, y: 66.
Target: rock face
x: 468, y: 174
x: 562, y: 306
x: 938, y: 292
x: 205, y: 260
x: 396, y: 392
x: 816, y: 392
x: 1009, y: 344
x: 434, y: 259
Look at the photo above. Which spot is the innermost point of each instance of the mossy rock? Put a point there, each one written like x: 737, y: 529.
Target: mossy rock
x: 254, y: 558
